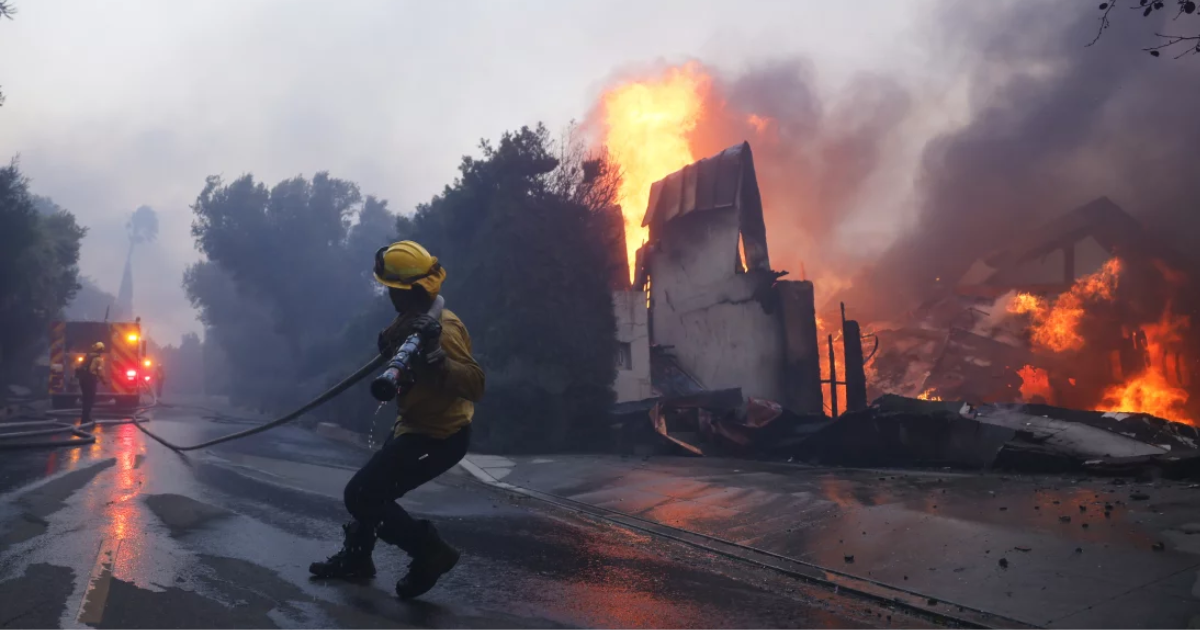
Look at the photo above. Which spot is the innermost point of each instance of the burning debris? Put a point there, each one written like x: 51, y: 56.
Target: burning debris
x: 1084, y: 312
x: 1010, y: 348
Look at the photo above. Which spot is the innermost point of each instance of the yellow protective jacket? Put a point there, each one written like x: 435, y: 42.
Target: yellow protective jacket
x: 443, y: 401
x: 93, y: 364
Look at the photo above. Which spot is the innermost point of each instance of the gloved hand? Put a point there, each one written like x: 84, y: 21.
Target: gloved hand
x: 430, y: 330
x: 385, y: 347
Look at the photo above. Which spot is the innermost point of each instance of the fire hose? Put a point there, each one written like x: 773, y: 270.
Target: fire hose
x: 396, y: 378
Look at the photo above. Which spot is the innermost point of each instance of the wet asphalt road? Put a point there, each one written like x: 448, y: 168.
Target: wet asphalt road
x: 125, y: 533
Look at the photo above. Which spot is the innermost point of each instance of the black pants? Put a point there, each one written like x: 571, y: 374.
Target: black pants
x: 402, y: 464
x: 87, y: 390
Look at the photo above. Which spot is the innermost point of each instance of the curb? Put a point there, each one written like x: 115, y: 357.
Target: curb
x: 483, y: 476
x: 912, y: 602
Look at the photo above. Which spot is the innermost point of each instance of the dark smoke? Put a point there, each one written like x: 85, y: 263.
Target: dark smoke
x: 814, y: 156
x: 1054, y: 124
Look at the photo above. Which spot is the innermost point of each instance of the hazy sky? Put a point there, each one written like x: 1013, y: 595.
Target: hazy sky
x: 120, y: 103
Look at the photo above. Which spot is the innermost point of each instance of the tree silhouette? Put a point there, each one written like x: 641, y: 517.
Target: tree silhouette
x: 39, y: 273
x: 6, y: 11
x: 1181, y: 43
x: 529, y: 275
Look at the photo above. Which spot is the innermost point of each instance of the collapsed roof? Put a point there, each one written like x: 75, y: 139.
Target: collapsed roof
x: 1056, y: 253
x: 723, y: 181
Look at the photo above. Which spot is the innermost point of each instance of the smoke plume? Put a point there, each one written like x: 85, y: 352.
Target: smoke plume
x: 815, y: 154
x: 1053, y: 124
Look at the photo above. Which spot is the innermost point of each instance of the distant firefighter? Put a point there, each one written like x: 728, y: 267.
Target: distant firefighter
x: 90, y: 374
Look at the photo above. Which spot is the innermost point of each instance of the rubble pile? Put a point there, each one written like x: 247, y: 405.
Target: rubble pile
x: 721, y: 355
x: 906, y: 432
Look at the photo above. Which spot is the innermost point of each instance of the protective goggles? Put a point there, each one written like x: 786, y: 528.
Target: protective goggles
x: 382, y: 272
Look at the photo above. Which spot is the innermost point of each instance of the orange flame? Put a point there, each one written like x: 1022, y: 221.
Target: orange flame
x: 839, y: 354
x: 646, y: 127
x: 929, y: 394
x: 1035, y: 382
x: 1024, y: 303
x: 1151, y: 391
x: 1056, y: 326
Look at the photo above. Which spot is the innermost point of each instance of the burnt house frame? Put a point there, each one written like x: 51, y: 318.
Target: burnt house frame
x: 714, y: 299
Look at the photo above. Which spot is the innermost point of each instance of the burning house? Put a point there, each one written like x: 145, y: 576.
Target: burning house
x: 1086, y: 312
x: 728, y: 318
x: 712, y: 339
x: 706, y: 305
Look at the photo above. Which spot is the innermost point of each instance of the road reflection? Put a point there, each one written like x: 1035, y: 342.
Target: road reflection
x: 123, y: 511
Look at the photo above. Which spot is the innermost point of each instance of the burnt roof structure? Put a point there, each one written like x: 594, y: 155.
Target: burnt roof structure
x: 722, y: 181
x: 730, y: 320
x: 1101, y: 225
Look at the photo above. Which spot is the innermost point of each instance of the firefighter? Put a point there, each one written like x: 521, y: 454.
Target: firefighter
x: 430, y: 435
x: 159, y: 377
x: 90, y: 374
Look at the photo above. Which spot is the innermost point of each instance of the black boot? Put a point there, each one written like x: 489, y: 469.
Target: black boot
x: 431, y: 559
x: 353, y: 562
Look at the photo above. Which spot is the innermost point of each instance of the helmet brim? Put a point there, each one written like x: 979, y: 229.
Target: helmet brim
x: 392, y: 284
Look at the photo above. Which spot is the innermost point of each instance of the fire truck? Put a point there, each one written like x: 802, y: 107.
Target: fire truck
x: 127, y: 366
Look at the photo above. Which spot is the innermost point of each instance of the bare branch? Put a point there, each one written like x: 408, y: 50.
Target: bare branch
x: 585, y: 176
x: 1103, y: 22
x: 1172, y: 40
x: 7, y: 9
x: 1148, y: 8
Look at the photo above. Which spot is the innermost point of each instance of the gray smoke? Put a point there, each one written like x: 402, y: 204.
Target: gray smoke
x: 142, y: 225
x: 814, y: 152
x: 1054, y: 124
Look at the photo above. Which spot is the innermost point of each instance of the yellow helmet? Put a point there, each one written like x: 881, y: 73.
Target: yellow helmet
x: 405, y: 264
x: 98, y: 346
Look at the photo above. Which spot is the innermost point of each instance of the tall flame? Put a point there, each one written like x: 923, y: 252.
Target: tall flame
x: 1151, y: 391
x: 646, y: 128
x: 1055, y: 326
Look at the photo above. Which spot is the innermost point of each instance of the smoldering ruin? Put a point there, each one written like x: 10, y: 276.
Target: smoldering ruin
x: 1023, y: 362
x: 1037, y: 315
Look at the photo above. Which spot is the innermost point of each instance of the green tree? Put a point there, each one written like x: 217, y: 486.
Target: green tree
x: 289, y: 305
x: 183, y: 366
x: 287, y: 270
x: 39, y: 273
x: 529, y: 278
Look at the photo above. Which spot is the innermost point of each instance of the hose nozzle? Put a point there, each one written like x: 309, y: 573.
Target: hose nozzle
x: 398, y: 373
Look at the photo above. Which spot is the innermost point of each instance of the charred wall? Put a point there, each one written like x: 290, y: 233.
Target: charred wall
x: 723, y: 325
x: 725, y: 315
